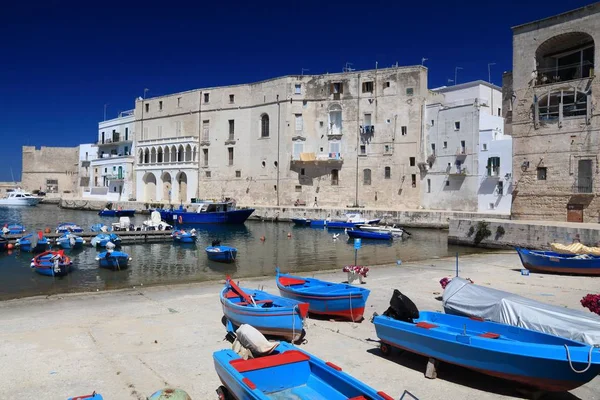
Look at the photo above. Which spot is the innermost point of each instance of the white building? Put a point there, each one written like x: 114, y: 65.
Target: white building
x: 86, y: 153
x: 469, y: 159
x: 111, y: 167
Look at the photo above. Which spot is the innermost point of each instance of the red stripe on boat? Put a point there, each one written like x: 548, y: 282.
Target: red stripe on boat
x: 287, y: 357
x: 287, y: 281
x: 385, y: 396
x: 490, y: 335
x: 477, y: 319
x: 249, y: 383
x: 425, y: 325
x: 239, y: 291
x: 358, y: 398
x: 332, y: 365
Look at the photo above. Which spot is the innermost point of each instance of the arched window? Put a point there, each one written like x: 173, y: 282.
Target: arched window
x: 565, y: 57
x: 180, y: 153
x: 146, y: 156
x: 264, y: 125
x: 141, y: 156
x: 366, y: 176
x: 159, y: 155
x: 153, y: 155
x: 334, y: 177
x: 387, y: 173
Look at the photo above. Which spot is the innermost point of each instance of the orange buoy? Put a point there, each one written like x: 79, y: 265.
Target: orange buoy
x: 10, y: 246
x: 289, y: 234
x: 47, y: 230
x: 262, y: 238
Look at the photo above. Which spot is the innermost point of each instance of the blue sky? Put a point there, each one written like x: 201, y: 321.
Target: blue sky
x: 61, y: 61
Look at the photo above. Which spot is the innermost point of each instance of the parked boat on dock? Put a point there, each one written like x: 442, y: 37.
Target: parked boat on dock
x: 67, y: 227
x: 288, y: 373
x: 549, y: 261
x: 13, y: 229
x: 70, y: 241
x: 301, y: 221
x: 115, y: 260
x: 102, y: 239
x: 360, y: 234
x: 208, y: 212
x: 271, y: 315
x: 116, y: 213
x: 324, y: 298
x: 181, y: 236
x: 100, y: 228
x: 52, y: 263
x: 33, y: 243
x: 155, y: 223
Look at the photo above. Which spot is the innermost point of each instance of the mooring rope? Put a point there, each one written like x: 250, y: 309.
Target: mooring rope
x: 592, y: 347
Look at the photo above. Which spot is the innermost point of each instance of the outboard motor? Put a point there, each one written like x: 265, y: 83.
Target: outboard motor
x: 401, y: 308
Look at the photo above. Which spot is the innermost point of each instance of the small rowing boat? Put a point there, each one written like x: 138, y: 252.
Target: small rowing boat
x: 549, y: 261
x: 52, y: 263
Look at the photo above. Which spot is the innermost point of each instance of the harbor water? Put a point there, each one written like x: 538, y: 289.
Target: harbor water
x: 296, y: 249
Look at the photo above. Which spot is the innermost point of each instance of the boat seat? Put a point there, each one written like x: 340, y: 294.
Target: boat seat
x: 245, y: 303
x: 287, y: 281
x: 231, y: 295
x: 490, y: 335
x: 253, y: 364
x: 425, y: 325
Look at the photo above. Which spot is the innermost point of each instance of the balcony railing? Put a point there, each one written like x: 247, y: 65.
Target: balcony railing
x: 316, y: 158
x: 461, y: 151
x: 112, y: 177
x: 583, y: 185
x: 459, y: 171
x: 114, y: 140
x: 493, y: 172
x: 367, y: 129
x: 547, y: 76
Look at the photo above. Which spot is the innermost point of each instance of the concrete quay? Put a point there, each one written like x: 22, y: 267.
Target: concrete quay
x: 129, y: 343
x: 521, y: 233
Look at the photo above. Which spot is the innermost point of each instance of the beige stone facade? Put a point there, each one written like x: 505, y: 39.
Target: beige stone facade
x: 553, y: 107
x: 53, y: 170
x: 287, y: 140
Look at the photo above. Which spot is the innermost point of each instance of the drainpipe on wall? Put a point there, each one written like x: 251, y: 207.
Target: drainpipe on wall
x: 278, y: 144
x: 199, y: 149
x: 357, y: 134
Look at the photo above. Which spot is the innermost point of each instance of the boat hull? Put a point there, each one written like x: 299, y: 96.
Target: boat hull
x: 547, y: 261
x: 536, y: 360
x: 20, y: 202
x: 219, y: 217
x: 114, y: 261
x: 370, y: 235
x: 301, y: 221
x: 184, y: 237
x: 284, y: 320
x: 116, y: 213
x: 288, y: 373
x: 336, y: 300
x: 226, y: 254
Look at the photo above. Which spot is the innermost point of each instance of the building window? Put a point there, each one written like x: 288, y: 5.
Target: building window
x: 302, y: 172
x: 428, y: 186
x: 160, y: 105
x: 335, y: 120
x: 335, y: 150
x: 387, y: 173
x: 238, y: 174
x: 484, y: 147
x: 447, y: 183
x: 500, y: 188
x: 404, y: 130
x: 457, y: 125
x: 334, y: 177
x: 432, y: 122
x: 463, y: 147
x: 230, y: 153
x: 387, y: 84
x: 493, y: 166
x: 297, y: 149
x: 585, y: 176
x: 298, y: 188
x: 410, y: 91
x: 231, y: 129
x: 367, y: 87
x: 574, y: 105
x: 499, y: 111
x: 179, y: 102
x: 337, y: 88
x: 412, y: 161
x: 433, y: 148
x: 264, y: 126
x: 206, y: 97
x: 363, y: 150
x: 231, y: 98
x: 205, y: 157
x: 445, y: 145
x: 541, y: 173
x: 207, y: 174
x: 126, y: 133
x: 386, y: 149
x: 147, y: 107
x: 366, y: 176
x: 299, y: 122
x: 297, y: 88
x: 206, y: 130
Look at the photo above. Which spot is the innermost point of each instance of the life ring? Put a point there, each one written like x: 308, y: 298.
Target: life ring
x: 180, y: 220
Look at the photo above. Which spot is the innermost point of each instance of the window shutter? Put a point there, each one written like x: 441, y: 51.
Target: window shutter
x: 341, y: 87
x: 331, y: 88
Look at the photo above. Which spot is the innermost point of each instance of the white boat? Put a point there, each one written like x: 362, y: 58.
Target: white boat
x: 155, y: 223
x: 19, y: 197
x: 397, y: 232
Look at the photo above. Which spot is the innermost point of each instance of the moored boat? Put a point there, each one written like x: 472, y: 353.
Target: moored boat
x: 549, y: 261
x: 13, y: 229
x: 288, y: 373
x: 208, y: 212
x: 221, y: 253
x: 115, y: 260
x: 301, y: 221
x: 116, y: 213
x: 271, y: 315
x: 67, y: 227
x: 396, y: 232
x: 19, y: 197
x: 102, y: 239
x: 70, y: 241
x: 52, y: 263
x: 182, y: 236
x: 359, y: 234
x: 324, y: 298
x: 534, y: 359
x: 34, y: 243
x: 155, y: 223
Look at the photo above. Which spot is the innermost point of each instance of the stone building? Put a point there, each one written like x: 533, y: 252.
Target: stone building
x: 351, y: 138
x: 552, y: 111
x: 469, y: 159
x: 53, y: 170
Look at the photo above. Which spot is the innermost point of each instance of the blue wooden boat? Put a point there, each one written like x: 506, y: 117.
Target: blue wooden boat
x: 93, y: 396
x: 301, y: 221
x: 549, y: 261
x: 208, y: 212
x: 52, y: 263
x: 15, y: 229
x: 70, y: 241
x: 67, y: 227
x: 342, y: 224
x: 115, y: 260
x: 271, y: 315
x: 324, y: 298
x: 181, y: 236
x: 116, y: 213
x: 29, y: 243
x: 370, y: 235
x: 521, y: 355
x: 221, y: 253
x: 102, y: 239
x: 288, y: 373
x: 100, y: 228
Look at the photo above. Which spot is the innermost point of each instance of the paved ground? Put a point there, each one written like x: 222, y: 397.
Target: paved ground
x: 127, y: 344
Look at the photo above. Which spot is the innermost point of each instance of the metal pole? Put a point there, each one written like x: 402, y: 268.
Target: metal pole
x: 355, y: 256
x: 357, y: 136
x: 490, y: 72
x: 456, y: 74
x: 457, y: 263
x: 278, y: 144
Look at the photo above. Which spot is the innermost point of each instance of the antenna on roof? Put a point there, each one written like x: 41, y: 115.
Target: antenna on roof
x: 347, y: 67
x: 304, y: 69
x: 423, y: 60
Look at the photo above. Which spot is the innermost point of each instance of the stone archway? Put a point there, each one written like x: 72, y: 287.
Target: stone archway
x: 149, y: 187
x: 166, y: 187
x: 181, y: 179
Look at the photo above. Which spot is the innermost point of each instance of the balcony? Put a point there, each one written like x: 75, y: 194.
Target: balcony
x: 107, y: 156
x: 113, y: 177
x: 115, y: 140
x: 431, y: 157
x: 461, y: 152
x: 493, y: 172
x: 583, y: 186
x: 85, y: 163
x: 312, y: 158
x: 367, y: 129
x: 458, y: 171
x: 573, y: 72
